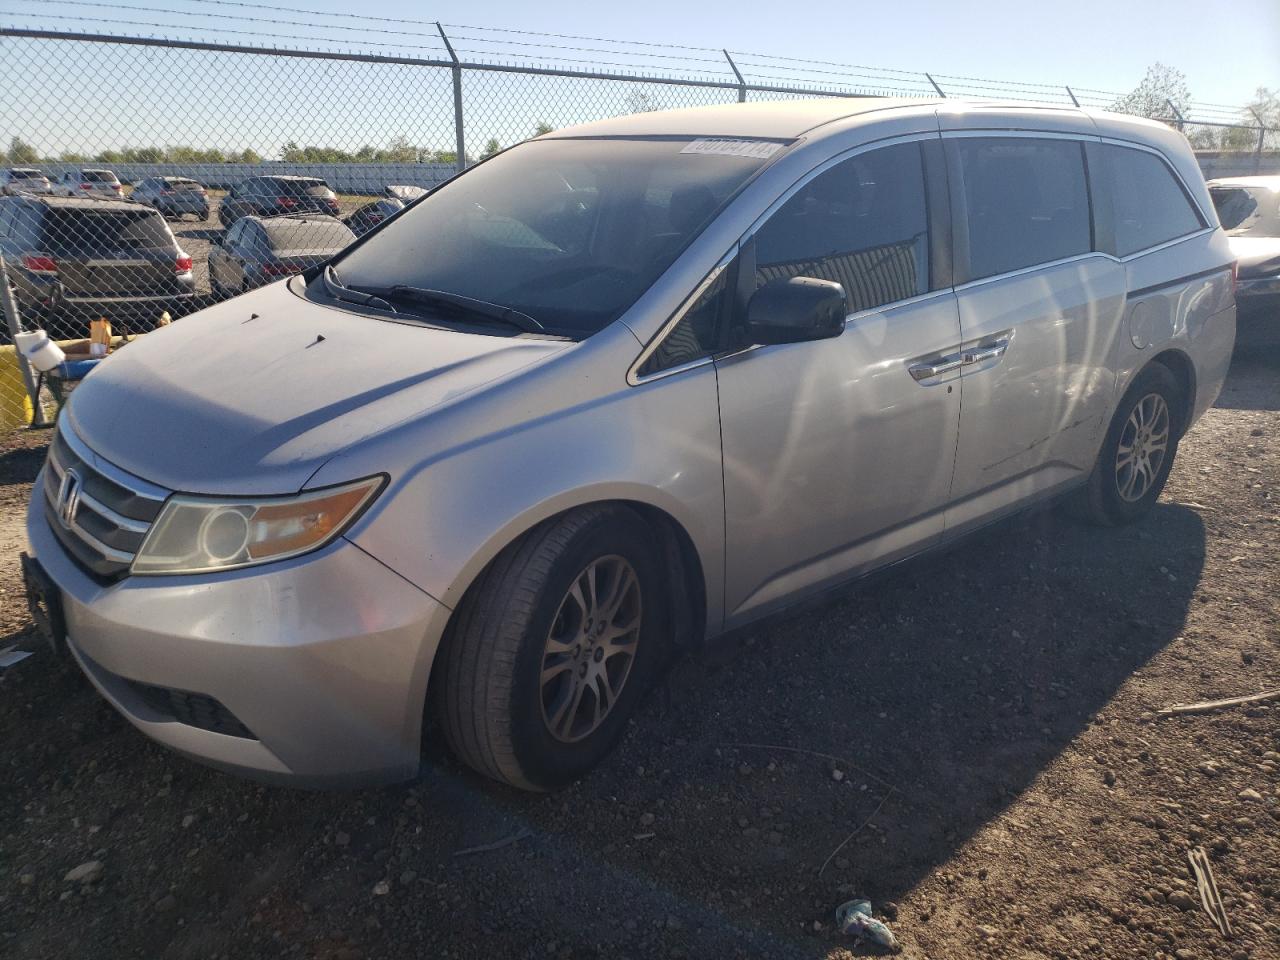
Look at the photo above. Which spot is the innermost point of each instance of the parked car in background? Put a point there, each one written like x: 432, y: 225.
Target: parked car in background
x: 72, y: 259
x: 370, y: 215
x: 615, y: 391
x: 258, y: 250
x: 89, y: 182
x: 174, y: 197
x: 17, y: 180
x: 1249, y: 210
x: 403, y: 193
x: 274, y: 196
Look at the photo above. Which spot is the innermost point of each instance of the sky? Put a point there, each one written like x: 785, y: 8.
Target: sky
x: 1107, y: 44
x: 165, y: 96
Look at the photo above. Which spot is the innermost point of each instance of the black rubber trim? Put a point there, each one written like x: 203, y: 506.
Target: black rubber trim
x: 1165, y: 284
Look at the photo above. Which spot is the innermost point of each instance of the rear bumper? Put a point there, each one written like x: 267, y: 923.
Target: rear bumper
x: 322, y: 661
x: 1258, y: 304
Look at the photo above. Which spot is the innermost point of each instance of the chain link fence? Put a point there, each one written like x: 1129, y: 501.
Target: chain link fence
x: 145, y: 179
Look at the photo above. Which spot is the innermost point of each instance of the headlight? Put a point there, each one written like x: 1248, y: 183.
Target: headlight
x: 199, y: 534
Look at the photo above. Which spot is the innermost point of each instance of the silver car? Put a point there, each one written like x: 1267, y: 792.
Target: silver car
x: 613, y: 391
x: 23, y: 180
x: 86, y: 182
x: 1249, y: 210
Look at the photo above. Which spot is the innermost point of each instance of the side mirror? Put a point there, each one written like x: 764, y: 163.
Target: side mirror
x: 795, y: 310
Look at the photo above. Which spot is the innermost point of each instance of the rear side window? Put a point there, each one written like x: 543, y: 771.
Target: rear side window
x: 1027, y: 202
x: 1150, y: 204
x: 863, y: 224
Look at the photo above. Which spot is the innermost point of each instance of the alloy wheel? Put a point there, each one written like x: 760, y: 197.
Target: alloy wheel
x: 1144, y: 443
x: 590, y: 648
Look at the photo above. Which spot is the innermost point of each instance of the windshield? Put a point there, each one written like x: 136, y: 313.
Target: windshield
x: 569, y: 232
x: 1242, y: 209
x: 26, y: 174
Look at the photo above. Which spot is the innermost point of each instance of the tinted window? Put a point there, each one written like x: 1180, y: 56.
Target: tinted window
x: 863, y: 224
x: 300, y: 188
x: 1150, y: 205
x: 1242, y: 210
x: 290, y: 234
x: 104, y: 231
x: 696, y: 335
x: 99, y: 176
x: 570, y: 232
x: 26, y: 175
x: 1027, y: 202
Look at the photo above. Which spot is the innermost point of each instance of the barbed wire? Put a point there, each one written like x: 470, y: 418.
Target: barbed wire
x: 760, y: 66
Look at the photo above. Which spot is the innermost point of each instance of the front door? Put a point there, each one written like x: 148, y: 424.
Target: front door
x: 838, y: 453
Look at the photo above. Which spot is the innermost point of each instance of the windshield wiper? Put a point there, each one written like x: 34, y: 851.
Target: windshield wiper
x: 335, y: 288
x: 457, y: 302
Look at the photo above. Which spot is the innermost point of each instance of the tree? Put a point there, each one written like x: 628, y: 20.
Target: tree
x: 250, y: 156
x: 1162, y: 86
x: 22, y: 152
x: 490, y: 148
x: 541, y: 128
x: 638, y: 101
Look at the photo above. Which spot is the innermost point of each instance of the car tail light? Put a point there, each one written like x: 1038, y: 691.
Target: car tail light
x: 118, y: 187
x: 167, y: 193
x: 86, y: 186
x: 286, y: 202
x: 278, y: 270
x: 39, y: 263
x: 182, y: 265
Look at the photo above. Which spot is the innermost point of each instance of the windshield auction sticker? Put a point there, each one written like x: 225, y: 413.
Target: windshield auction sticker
x: 722, y: 147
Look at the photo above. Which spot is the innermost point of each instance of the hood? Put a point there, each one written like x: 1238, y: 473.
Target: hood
x: 222, y: 403
x: 1250, y: 251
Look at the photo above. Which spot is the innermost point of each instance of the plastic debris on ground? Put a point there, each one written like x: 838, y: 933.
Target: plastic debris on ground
x: 855, y: 918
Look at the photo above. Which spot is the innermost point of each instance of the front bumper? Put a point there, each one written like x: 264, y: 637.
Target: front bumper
x: 323, y: 660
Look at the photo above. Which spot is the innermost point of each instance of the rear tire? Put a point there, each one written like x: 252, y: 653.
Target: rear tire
x: 553, y: 647
x: 1137, y: 453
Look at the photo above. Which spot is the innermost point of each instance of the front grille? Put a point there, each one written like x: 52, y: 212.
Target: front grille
x: 102, y: 516
x: 193, y: 709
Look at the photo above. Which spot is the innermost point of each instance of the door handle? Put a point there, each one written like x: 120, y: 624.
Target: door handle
x: 927, y: 369
x: 990, y: 352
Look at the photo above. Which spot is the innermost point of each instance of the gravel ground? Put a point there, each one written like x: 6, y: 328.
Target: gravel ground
x: 1007, y: 786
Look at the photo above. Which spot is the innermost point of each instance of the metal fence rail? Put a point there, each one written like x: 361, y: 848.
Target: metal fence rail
x: 280, y: 141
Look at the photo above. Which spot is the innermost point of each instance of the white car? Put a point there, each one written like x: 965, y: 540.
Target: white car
x: 18, y: 180
x: 1249, y: 210
x: 86, y: 182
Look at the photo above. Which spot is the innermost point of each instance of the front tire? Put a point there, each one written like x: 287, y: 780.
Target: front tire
x: 1138, y: 451
x: 553, y: 648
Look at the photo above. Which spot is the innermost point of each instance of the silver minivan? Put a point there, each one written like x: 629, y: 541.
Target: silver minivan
x: 611, y: 392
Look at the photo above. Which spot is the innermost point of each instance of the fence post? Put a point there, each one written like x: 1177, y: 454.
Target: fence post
x: 1177, y: 114
x: 461, y: 162
x: 936, y: 87
x: 9, y: 306
x: 1262, y: 136
x: 1071, y: 94
x: 742, y: 84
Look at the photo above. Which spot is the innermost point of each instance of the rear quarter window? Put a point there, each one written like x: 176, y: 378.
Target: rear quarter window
x: 1151, y: 207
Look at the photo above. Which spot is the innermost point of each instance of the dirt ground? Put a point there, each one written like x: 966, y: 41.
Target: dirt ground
x: 1007, y: 785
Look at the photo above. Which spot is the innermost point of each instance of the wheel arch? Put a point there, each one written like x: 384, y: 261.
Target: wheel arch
x: 686, y: 577
x: 1179, y: 364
